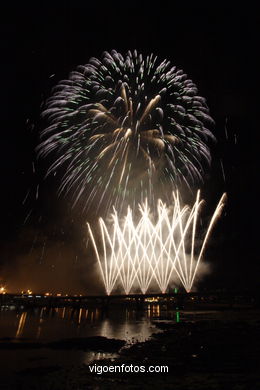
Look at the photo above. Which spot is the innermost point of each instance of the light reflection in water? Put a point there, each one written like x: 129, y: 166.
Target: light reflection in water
x: 47, y: 324
x: 21, y: 324
x: 80, y: 314
x: 39, y: 329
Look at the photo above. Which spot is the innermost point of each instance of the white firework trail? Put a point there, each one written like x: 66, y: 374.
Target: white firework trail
x: 139, y: 253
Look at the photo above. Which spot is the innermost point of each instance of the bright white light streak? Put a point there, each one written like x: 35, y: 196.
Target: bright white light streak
x: 138, y: 253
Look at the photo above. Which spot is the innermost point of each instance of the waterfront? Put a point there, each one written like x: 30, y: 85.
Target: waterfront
x: 47, y: 348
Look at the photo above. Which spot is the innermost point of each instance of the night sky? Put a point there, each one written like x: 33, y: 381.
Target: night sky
x: 42, y: 243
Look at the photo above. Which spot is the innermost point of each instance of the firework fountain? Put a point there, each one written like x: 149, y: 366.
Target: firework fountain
x: 138, y: 253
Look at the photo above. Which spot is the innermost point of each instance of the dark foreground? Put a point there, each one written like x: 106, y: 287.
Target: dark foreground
x: 219, y: 354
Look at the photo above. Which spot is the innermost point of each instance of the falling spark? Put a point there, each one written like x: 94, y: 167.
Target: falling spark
x: 27, y: 217
x: 26, y: 196
x: 146, y: 251
x: 226, y: 131
x: 37, y: 192
x: 222, y: 168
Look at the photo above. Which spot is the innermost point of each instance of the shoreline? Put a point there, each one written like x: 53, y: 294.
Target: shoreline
x: 203, y: 354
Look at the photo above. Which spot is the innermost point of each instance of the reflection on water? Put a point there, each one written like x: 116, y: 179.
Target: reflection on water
x: 153, y: 311
x: 48, y: 324
x: 21, y: 324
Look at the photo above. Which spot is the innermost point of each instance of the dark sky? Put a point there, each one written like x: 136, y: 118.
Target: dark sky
x: 41, y: 243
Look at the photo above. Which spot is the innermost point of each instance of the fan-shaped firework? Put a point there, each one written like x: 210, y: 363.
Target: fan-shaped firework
x: 136, y: 253
x: 123, y: 125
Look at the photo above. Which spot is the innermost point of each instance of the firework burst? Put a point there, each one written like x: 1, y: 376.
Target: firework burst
x: 124, y: 126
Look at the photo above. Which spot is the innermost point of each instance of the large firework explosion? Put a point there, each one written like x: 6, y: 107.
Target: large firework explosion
x: 126, y: 128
